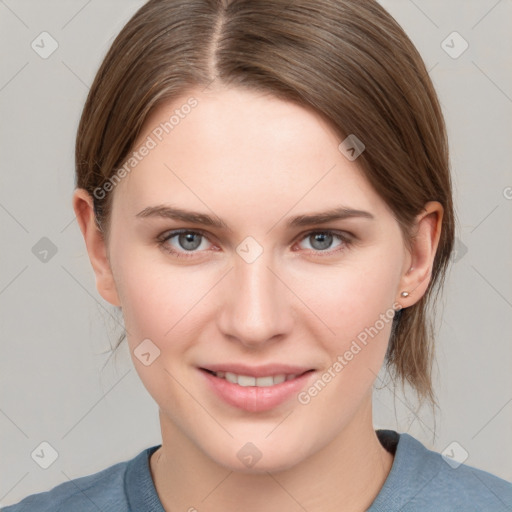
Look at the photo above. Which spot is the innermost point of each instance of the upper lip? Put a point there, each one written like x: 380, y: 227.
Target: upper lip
x: 257, y: 371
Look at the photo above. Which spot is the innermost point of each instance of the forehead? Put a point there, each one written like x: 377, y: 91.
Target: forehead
x: 234, y: 146
x: 240, y: 124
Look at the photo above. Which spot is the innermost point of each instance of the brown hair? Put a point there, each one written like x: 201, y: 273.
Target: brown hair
x: 349, y: 60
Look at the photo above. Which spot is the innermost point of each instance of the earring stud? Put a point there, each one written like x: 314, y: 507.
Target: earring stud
x: 405, y: 294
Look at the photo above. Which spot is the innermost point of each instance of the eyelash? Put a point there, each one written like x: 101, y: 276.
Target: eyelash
x: 165, y: 237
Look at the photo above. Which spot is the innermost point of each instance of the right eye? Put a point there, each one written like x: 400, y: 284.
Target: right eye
x: 182, y: 241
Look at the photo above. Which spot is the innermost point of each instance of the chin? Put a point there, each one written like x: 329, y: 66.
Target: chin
x: 260, y: 457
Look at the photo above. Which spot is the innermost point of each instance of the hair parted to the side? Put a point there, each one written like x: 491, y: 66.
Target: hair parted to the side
x: 349, y: 60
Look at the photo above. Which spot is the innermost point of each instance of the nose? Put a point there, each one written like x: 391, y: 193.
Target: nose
x: 256, y: 309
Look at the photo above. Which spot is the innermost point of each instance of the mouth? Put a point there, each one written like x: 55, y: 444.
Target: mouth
x: 260, y: 382
x: 256, y: 390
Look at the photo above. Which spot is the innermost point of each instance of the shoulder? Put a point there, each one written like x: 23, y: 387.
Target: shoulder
x: 104, y: 490
x: 421, y: 479
x: 449, y: 483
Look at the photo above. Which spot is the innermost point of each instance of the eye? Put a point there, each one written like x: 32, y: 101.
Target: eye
x: 182, y: 241
x: 322, y: 241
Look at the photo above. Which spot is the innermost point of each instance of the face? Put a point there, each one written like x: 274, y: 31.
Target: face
x: 262, y: 292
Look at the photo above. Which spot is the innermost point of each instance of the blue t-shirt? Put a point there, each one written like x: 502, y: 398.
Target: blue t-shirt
x: 420, y: 480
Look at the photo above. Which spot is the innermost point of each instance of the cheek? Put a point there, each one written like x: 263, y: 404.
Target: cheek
x: 158, y: 300
x: 348, y: 299
x: 160, y: 303
x: 357, y: 306
x: 351, y: 298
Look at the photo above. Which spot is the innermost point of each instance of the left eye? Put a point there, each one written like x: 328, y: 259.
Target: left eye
x: 322, y: 240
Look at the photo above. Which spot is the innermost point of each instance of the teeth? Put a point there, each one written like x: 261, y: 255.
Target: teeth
x: 264, y: 382
x: 261, y: 382
x: 231, y: 377
x: 279, y: 378
x: 243, y: 380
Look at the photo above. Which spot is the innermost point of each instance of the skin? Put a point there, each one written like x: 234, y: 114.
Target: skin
x: 256, y: 161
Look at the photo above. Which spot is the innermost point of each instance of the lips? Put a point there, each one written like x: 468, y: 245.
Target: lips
x: 256, y: 389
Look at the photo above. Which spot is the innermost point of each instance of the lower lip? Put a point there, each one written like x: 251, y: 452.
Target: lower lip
x: 254, y: 398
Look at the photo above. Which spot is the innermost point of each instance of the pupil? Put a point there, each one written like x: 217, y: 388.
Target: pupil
x: 187, y: 240
x: 324, y: 240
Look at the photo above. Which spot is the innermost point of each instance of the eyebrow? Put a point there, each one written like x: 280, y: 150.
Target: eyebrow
x: 169, y: 212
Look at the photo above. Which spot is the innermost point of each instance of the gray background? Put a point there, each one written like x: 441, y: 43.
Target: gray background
x: 56, y: 331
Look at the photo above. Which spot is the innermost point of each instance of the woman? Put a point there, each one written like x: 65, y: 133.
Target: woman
x: 263, y: 188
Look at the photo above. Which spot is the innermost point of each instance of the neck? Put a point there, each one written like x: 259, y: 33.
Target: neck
x: 350, y: 470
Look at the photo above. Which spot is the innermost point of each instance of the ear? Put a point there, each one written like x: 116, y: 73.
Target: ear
x: 417, y: 269
x: 96, y: 246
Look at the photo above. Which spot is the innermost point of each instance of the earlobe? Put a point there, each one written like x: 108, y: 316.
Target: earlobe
x: 420, y: 261
x: 96, y: 246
